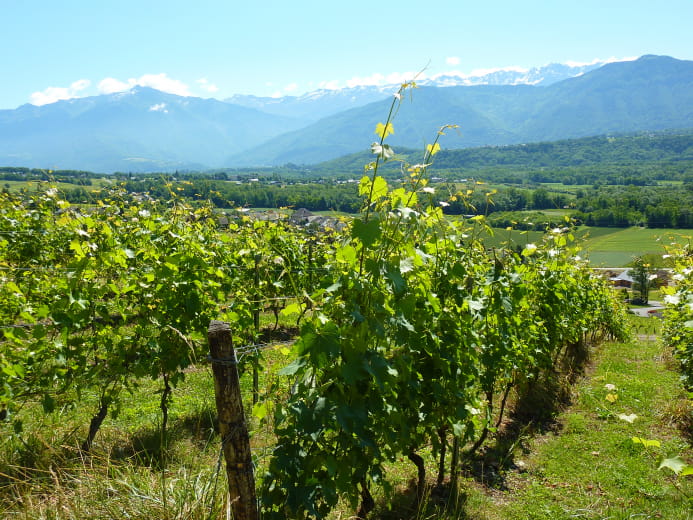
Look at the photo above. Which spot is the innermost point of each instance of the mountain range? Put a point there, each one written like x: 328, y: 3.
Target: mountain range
x: 322, y: 103
x: 147, y: 130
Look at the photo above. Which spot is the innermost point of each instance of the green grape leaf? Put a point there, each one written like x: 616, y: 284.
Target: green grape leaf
x: 647, y: 443
x: 291, y: 310
x: 675, y: 464
x: 260, y: 410
x: 366, y: 232
x: 346, y: 254
x: 383, y: 131
x: 376, y: 188
x: 293, y: 367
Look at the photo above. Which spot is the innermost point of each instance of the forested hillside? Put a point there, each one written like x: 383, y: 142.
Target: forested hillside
x: 621, y: 181
x: 618, y: 159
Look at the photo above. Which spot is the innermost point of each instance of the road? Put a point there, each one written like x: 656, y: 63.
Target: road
x: 647, y: 311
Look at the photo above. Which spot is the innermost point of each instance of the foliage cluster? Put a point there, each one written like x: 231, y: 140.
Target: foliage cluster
x: 95, y: 299
x: 414, y: 332
x: 664, y: 206
x: 315, y: 196
x: 619, y: 159
x: 678, y: 324
x: 617, y: 206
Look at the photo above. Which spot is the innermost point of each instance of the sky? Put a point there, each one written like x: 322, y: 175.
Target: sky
x: 52, y: 50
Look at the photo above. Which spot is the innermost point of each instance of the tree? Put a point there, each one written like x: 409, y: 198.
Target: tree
x: 641, y: 274
x: 541, y: 199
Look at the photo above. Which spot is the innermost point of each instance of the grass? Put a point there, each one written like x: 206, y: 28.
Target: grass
x: 604, y: 247
x: 559, y: 186
x: 15, y: 186
x: 591, y: 468
x: 616, y: 247
x: 133, y: 471
x: 514, y: 237
x: 586, y: 466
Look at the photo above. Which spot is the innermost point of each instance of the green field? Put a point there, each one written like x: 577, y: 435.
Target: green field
x: 603, y: 247
x: 616, y: 247
x: 32, y: 185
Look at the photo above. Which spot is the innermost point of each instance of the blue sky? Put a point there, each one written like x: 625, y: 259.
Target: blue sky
x: 73, y: 48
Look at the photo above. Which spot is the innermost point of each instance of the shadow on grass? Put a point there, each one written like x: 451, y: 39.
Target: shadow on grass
x: 151, y: 447
x: 534, y: 412
x: 281, y: 333
x: 35, y: 457
x: 32, y: 459
x: 439, y: 502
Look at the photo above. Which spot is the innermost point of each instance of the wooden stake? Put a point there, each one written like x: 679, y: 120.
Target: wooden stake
x: 232, y: 426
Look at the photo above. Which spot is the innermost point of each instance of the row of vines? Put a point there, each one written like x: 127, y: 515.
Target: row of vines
x: 677, y: 332
x: 412, y: 333
x: 95, y: 299
x: 415, y: 339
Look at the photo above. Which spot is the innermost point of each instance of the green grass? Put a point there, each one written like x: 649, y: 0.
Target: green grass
x: 15, y: 186
x: 603, y: 247
x: 556, y: 212
x: 616, y: 247
x: 559, y: 186
x: 514, y: 237
x: 590, y: 468
x: 132, y: 472
x: 634, y: 239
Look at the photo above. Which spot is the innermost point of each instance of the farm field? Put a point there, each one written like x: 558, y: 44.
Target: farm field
x: 616, y: 247
x: 15, y: 186
x: 603, y: 247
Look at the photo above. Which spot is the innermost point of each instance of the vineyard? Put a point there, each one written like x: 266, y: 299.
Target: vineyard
x: 410, y: 337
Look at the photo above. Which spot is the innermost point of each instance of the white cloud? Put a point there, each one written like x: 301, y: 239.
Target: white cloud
x: 159, y: 107
x: 164, y: 83
x: 53, y: 94
x: 207, y: 86
x: 291, y: 87
x: 452, y: 60
x: 597, y: 61
x: 486, y: 72
x: 112, y: 85
x: 404, y: 77
x: 157, y: 81
x: 80, y: 84
x: 378, y: 80
x: 583, y: 63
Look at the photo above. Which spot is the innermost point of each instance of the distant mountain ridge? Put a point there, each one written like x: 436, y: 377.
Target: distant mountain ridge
x: 651, y: 93
x: 139, y: 130
x: 324, y: 102
x: 147, y: 130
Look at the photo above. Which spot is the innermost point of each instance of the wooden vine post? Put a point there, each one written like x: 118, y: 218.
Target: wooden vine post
x: 232, y: 426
